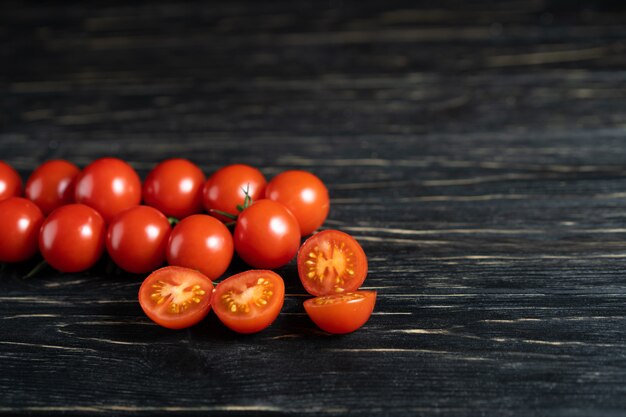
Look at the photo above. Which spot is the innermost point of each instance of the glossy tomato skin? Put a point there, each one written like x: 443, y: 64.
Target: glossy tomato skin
x: 176, y: 297
x: 20, y: 221
x: 341, y: 313
x: 10, y: 182
x: 52, y: 185
x: 108, y: 185
x: 331, y: 262
x: 72, y: 238
x: 267, y: 235
x: 137, y: 239
x: 174, y: 187
x: 250, y: 301
x: 224, y: 190
x: 201, y: 242
x: 304, y: 194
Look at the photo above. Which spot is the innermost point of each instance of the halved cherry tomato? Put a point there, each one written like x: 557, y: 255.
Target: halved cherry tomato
x: 331, y: 262
x: 10, y: 182
x: 174, y: 187
x: 51, y: 185
x: 20, y: 221
x: 341, y: 313
x: 250, y: 301
x: 176, y: 297
x: 304, y: 194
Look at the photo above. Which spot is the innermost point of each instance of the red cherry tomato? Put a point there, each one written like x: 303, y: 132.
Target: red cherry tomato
x: 341, y: 313
x: 72, y: 238
x: 175, y: 188
x: 225, y: 189
x: 51, y: 185
x: 201, y: 242
x: 176, y: 297
x: 108, y: 185
x: 20, y: 221
x: 331, y: 262
x: 304, y: 195
x: 137, y: 239
x: 250, y: 301
x: 267, y: 235
x: 10, y: 182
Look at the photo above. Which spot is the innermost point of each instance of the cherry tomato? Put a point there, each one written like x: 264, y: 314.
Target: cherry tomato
x: 331, y: 262
x: 72, y: 238
x: 201, y: 242
x: 10, y: 182
x: 250, y: 301
x: 267, y: 235
x: 225, y: 189
x: 175, y: 188
x: 341, y: 313
x: 108, y: 185
x: 137, y: 239
x: 20, y: 221
x: 51, y: 185
x: 176, y: 297
x: 304, y: 195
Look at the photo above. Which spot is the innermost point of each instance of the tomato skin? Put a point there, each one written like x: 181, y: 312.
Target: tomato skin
x: 137, y: 239
x: 72, y: 238
x: 224, y: 190
x: 174, y: 187
x: 20, y: 221
x: 341, y: 313
x: 304, y: 194
x: 108, y: 185
x: 267, y: 235
x: 331, y: 262
x: 158, y: 306
x: 52, y: 185
x: 257, y: 296
x: 201, y: 242
x: 10, y: 182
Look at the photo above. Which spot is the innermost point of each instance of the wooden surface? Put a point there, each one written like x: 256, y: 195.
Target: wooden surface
x: 475, y: 149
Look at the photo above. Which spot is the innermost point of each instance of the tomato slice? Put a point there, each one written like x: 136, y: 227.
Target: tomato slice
x: 176, y: 297
x: 331, y: 262
x: 341, y: 313
x: 250, y: 301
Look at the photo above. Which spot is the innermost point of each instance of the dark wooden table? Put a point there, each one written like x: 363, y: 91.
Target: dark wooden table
x: 476, y: 149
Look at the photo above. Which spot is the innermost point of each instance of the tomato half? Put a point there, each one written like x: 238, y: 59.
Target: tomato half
x: 10, y: 182
x: 174, y: 187
x: 304, y: 194
x: 331, y: 262
x: 20, y: 221
x: 341, y: 313
x: 250, y: 301
x: 108, y: 185
x: 176, y: 297
x: 51, y: 185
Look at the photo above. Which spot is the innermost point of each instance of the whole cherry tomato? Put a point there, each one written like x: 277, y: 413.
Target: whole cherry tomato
x: 175, y: 188
x: 10, y: 182
x: 20, y: 221
x: 226, y: 189
x: 341, y: 313
x: 108, y: 185
x: 72, y: 238
x: 267, y: 235
x: 51, y: 185
x: 304, y: 194
x: 137, y: 239
x: 201, y: 242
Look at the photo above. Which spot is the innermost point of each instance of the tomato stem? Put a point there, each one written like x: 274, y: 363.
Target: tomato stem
x: 173, y: 221
x: 38, y: 268
x: 223, y: 213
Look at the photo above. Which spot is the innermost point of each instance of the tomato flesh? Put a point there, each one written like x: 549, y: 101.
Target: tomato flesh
x: 341, y: 313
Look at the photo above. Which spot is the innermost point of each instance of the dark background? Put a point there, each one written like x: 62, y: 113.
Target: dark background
x: 475, y: 148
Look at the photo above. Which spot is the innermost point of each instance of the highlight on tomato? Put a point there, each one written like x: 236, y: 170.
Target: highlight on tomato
x: 176, y: 297
x: 250, y: 301
x: 52, y: 184
x: 341, y: 313
x: 10, y: 182
x: 20, y: 221
x: 331, y: 262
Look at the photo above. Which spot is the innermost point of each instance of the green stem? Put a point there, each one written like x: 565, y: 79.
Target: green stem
x: 37, y: 269
x: 223, y: 213
x: 173, y: 221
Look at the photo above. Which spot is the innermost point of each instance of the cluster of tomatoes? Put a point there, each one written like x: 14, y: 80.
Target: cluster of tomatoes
x: 70, y: 216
